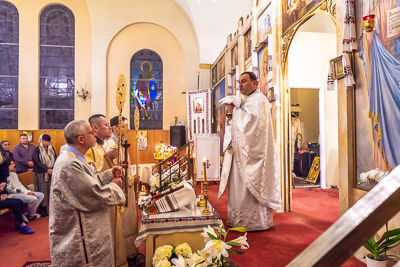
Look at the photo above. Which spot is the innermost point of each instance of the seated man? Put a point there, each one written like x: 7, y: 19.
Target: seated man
x: 17, y: 190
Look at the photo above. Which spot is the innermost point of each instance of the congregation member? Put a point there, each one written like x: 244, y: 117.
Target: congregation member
x: 23, y: 154
x: 16, y: 190
x: 129, y: 218
x: 15, y: 205
x: 102, y: 161
x: 43, y: 158
x: 6, y: 147
x: 79, y: 226
x: 249, y: 167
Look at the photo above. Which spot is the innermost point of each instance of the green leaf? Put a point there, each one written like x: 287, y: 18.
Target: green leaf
x: 239, y: 229
x: 372, y: 241
x: 387, y: 249
x: 390, y: 242
x: 235, y: 251
x: 232, y: 243
x: 389, y: 234
x: 368, y: 246
x: 211, y: 236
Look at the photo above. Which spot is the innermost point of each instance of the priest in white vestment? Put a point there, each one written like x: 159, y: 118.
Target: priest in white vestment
x: 250, y: 169
x: 80, y: 231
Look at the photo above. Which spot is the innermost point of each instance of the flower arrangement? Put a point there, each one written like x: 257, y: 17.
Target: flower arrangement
x: 143, y: 201
x: 375, y: 175
x: 216, y: 252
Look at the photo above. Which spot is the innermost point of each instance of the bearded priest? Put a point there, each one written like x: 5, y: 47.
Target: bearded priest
x: 249, y: 168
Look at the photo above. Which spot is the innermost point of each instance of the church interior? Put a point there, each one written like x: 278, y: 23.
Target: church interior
x: 302, y: 167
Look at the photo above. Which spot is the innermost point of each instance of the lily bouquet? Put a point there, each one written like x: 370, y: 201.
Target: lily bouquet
x: 216, y: 253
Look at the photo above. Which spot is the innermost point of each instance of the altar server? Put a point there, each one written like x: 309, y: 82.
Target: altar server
x: 250, y: 169
x: 102, y: 161
x: 129, y: 218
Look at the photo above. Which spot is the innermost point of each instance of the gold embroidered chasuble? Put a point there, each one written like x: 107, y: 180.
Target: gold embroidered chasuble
x: 95, y: 156
x: 79, y: 223
x: 129, y: 218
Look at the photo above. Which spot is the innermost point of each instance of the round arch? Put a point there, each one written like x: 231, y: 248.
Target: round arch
x: 134, y: 38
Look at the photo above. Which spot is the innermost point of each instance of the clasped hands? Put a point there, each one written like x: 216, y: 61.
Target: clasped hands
x: 229, y: 109
x: 117, y: 174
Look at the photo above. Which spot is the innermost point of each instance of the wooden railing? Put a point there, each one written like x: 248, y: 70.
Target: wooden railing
x: 181, y: 160
x: 355, y: 227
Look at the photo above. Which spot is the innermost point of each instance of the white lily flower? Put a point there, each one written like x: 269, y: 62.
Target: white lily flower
x: 179, y: 262
x: 242, y: 241
x: 205, y: 255
x: 210, y: 230
x: 364, y: 177
x: 216, y: 248
x: 371, y: 174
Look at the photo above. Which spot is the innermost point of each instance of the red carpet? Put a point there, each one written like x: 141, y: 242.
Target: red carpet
x: 314, y: 210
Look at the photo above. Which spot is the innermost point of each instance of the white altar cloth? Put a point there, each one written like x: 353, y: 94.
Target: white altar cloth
x: 144, y: 171
x: 180, y: 221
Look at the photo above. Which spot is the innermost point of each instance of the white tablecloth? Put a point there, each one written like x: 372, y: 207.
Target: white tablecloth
x: 177, y: 221
x: 144, y: 171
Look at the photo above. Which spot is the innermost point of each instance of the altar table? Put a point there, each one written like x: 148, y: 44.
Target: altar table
x: 174, y: 228
x: 144, y: 172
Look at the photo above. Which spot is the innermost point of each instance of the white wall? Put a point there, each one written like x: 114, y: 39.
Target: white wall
x: 309, y: 56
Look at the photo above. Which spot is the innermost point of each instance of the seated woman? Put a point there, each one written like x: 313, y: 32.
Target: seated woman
x: 16, y: 205
x: 16, y: 190
x: 6, y: 149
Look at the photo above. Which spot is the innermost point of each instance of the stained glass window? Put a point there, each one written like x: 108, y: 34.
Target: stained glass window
x: 146, y: 90
x: 9, y: 39
x: 57, y: 67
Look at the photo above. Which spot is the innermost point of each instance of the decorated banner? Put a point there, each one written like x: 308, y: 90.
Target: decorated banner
x: 198, y: 105
x: 207, y: 147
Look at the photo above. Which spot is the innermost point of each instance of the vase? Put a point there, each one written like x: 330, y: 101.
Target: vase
x: 375, y: 263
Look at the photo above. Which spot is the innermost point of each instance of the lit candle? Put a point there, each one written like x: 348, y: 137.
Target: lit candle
x: 126, y: 129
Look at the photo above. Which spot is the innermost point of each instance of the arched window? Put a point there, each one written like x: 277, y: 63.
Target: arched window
x: 147, y: 89
x: 9, y: 39
x: 57, y: 67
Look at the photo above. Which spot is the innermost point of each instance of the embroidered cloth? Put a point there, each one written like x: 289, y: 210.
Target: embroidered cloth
x: 348, y: 74
x: 176, y: 222
x: 349, y: 41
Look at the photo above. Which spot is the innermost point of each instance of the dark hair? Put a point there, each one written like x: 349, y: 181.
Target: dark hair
x: 23, y: 135
x: 251, y: 74
x: 5, y: 141
x: 114, y: 121
x: 94, y: 119
x: 9, y: 160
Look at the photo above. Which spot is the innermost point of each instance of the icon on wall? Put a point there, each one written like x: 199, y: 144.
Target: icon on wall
x: 198, y: 105
x: 142, y: 140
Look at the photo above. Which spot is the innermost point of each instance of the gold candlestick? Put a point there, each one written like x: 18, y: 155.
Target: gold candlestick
x: 194, y: 173
x: 202, y: 202
x: 206, y: 211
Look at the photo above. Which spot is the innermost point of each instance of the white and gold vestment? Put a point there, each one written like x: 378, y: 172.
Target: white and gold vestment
x: 79, y: 224
x: 250, y: 166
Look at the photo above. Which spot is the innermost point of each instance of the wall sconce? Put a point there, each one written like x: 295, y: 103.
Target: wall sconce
x: 83, y: 93
x: 369, y: 23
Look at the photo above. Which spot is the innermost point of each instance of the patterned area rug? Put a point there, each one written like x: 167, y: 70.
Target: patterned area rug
x: 37, y: 264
